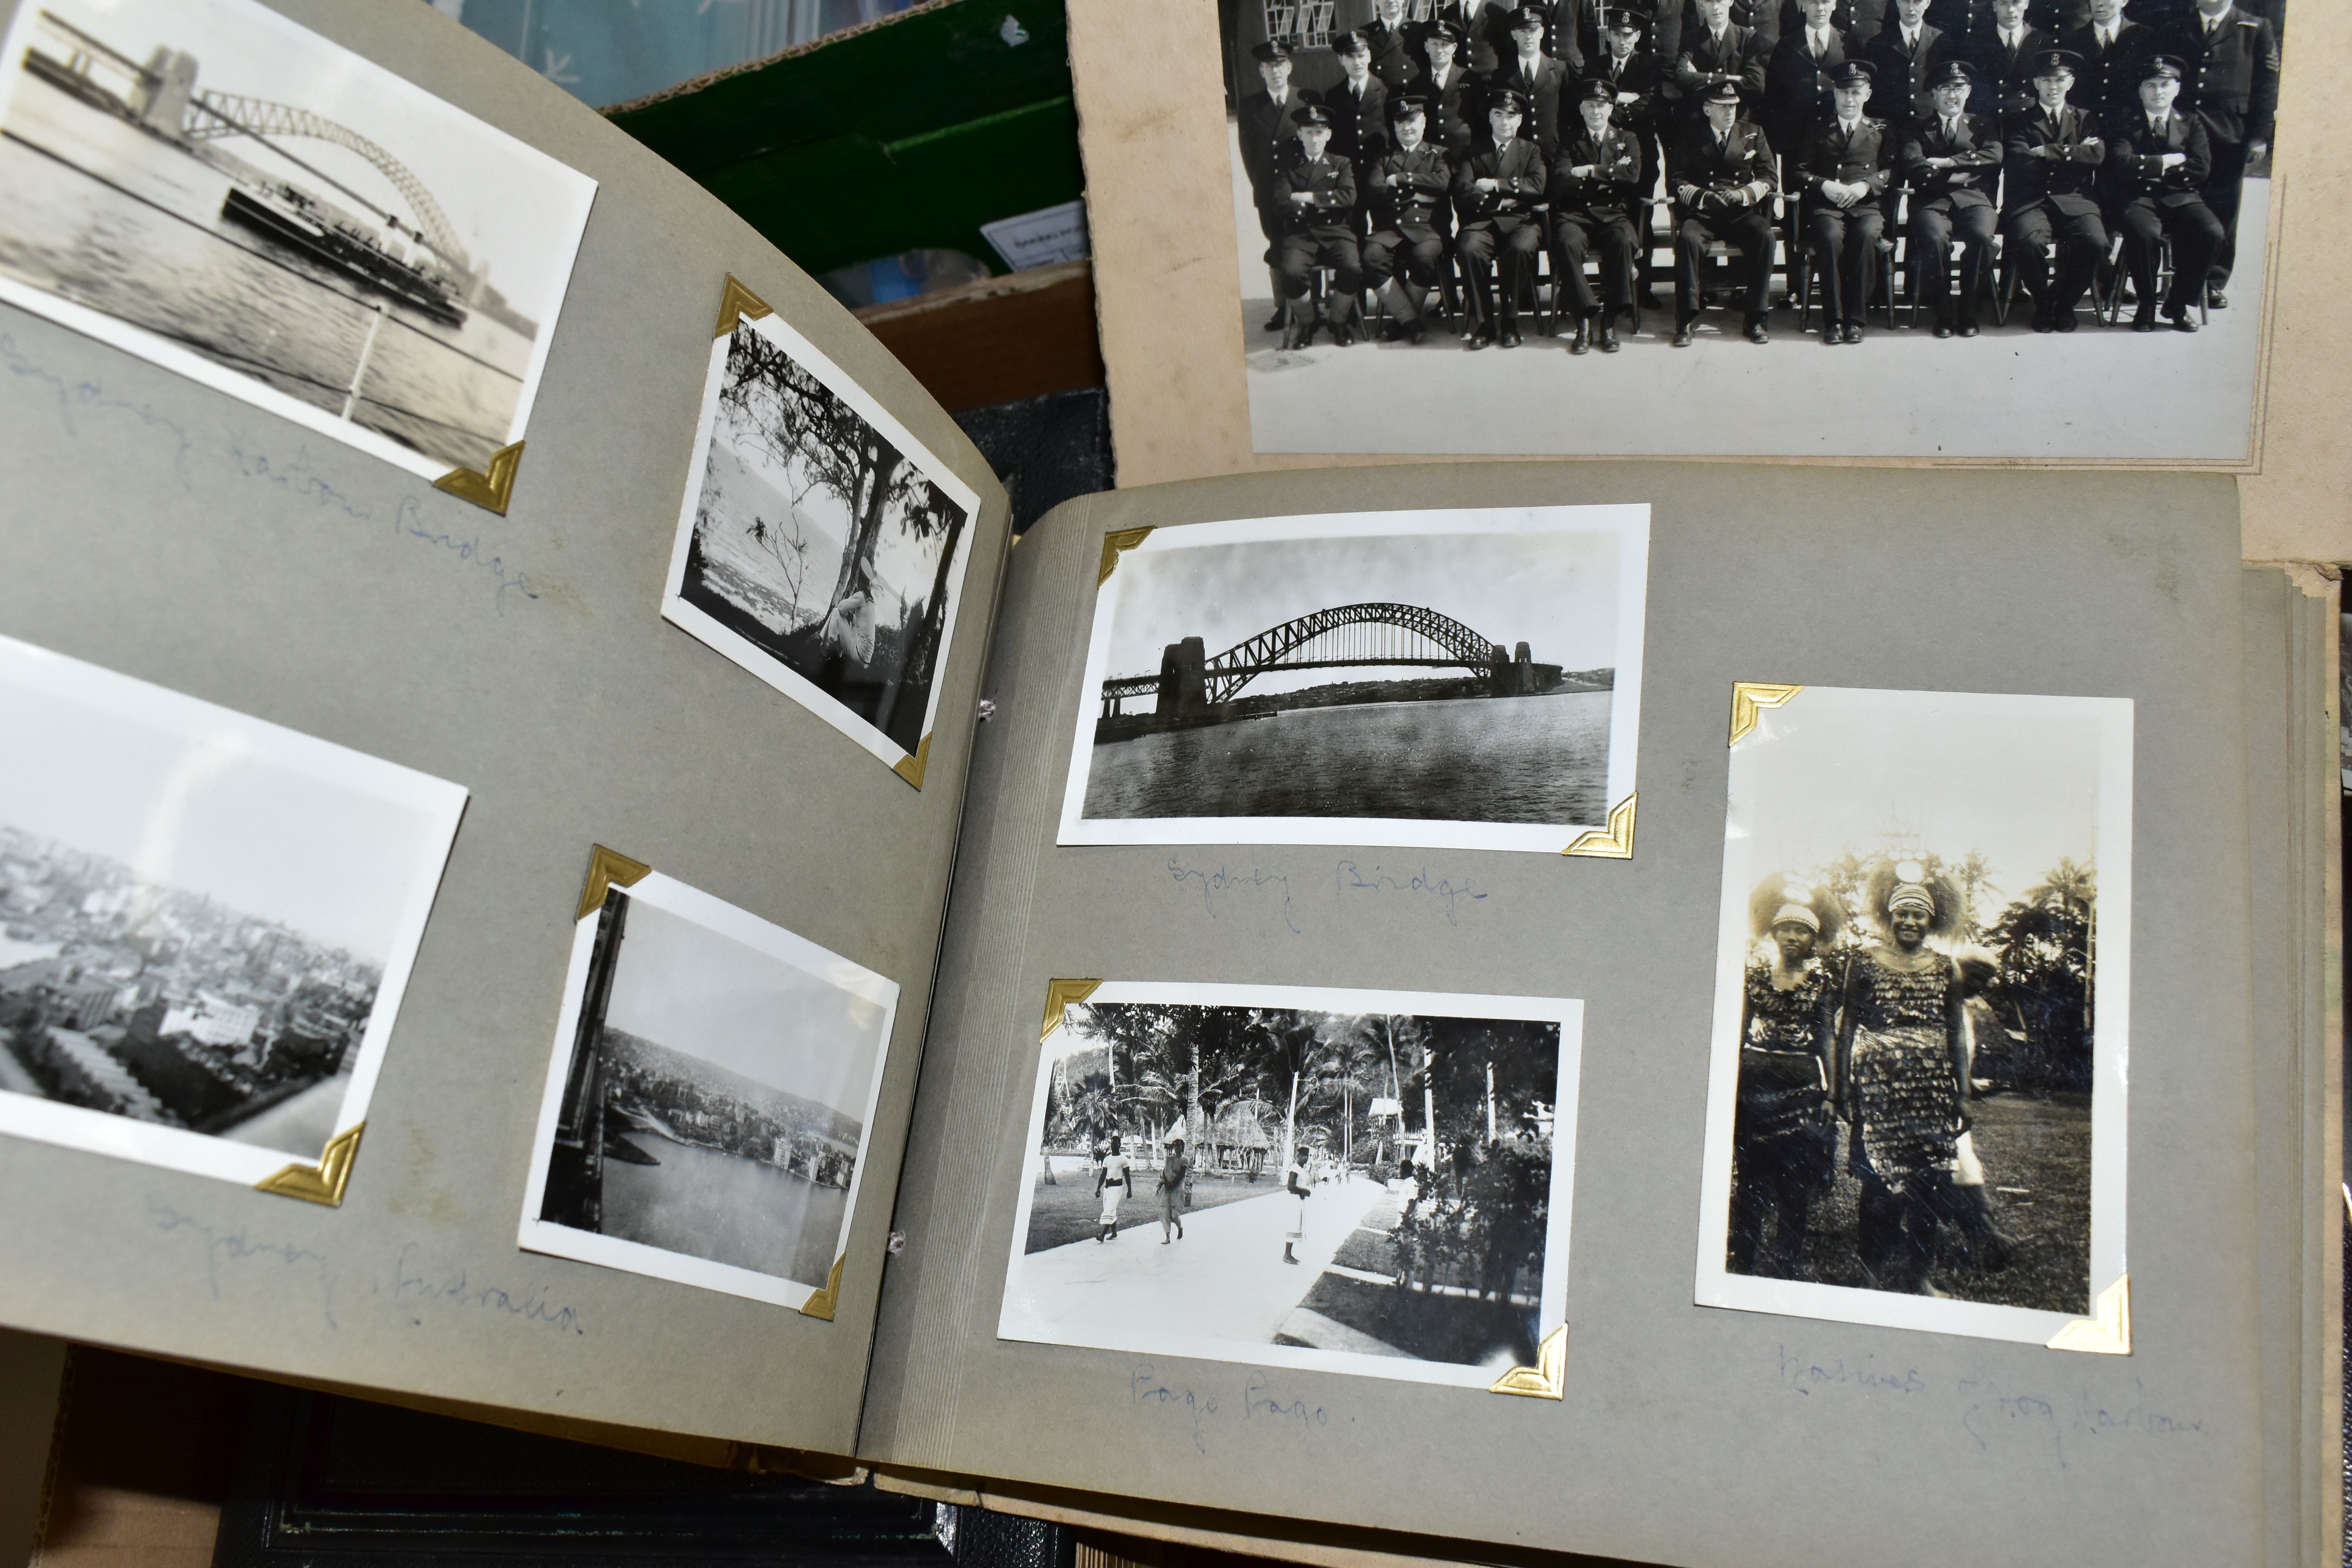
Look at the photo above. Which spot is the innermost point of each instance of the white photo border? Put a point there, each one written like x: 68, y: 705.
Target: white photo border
x: 758, y: 661
x: 721, y: 919
x: 439, y: 802
x: 1629, y: 522
x: 1014, y: 1323
x: 159, y: 351
x: 2112, y: 717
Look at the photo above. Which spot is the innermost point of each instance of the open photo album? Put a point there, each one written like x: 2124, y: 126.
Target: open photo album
x: 1428, y: 1011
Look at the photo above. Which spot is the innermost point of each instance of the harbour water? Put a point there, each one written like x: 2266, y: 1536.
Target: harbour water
x: 726, y: 1208
x: 108, y: 216
x: 1520, y: 759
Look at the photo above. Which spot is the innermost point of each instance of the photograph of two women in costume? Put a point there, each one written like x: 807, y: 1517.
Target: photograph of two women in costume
x: 1911, y: 1055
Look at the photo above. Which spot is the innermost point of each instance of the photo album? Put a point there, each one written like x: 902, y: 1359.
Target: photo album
x: 561, y: 861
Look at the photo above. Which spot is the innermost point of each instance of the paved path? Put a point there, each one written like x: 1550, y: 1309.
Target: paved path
x: 1225, y: 1281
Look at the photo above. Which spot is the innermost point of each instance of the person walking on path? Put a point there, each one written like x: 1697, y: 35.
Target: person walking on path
x: 1293, y: 1182
x: 1110, y: 1185
x: 1173, y: 1171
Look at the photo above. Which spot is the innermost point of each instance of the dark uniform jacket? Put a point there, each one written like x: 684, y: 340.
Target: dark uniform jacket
x: 2233, y: 80
x: 2004, y: 76
x: 1739, y: 58
x: 1452, y: 104
x: 1488, y: 26
x: 1517, y: 164
x: 1902, y: 74
x: 2068, y: 184
x: 2107, y: 81
x: 1977, y: 149
x: 2057, y: 17
x: 1330, y: 180
x: 1797, y: 85
x: 1359, y: 125
x: 1741, y: 161
x: 1637, y: 78
x: 1410, y: 197
x: 1830, y: 154
x: 1268, y: 135
x: 2131, y: 172
x: 1572, y: 34
x: 1544, y: 89
x: 1615, y: 184
x: 1860, y: 19
x: 1396, y: 59
x: 1956, y: 19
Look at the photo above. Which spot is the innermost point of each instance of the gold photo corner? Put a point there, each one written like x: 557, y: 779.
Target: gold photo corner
x: 607, y: 869
x: 822, y: 1302
x: 1614, y: 842
x: 736, y: 304
x: 1750, y: 698
x: 1115, y: 544
x: 324, y: 1181
x: 1061, y: 994
x: 911, y: 768
x: 1547, y: 1379
x: 492, y: 488
x: 2108, y: 1331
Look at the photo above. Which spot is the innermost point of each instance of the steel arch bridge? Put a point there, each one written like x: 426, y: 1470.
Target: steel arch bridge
x: 213, y: 115
x: 1367, y: 633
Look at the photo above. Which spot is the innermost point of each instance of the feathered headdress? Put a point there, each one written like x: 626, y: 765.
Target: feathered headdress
x: 1896, y: 883
x: 1779, y: 897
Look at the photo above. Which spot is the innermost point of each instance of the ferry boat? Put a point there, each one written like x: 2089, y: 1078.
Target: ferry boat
x: 294, y: 219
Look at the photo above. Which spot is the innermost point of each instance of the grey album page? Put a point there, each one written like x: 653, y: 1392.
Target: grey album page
x: 2291, y: 754
x: 172, y: 534
x: 2104, y: 608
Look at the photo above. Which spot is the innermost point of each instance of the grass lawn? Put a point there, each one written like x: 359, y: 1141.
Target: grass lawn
x: 1067, y: 1210
x: 2039, y: 1143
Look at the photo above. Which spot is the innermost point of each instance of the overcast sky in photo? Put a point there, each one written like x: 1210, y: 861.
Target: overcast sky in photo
x: 1557, y: 592
x: 203, y: 814
x: 683, y: 985
x: 510, y: 205
x: 1840, y: 769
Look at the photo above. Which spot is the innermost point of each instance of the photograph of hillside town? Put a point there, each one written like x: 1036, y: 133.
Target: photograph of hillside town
x: 714, y: 1094
x: 1360, y: 1189
x: 169, y: 1006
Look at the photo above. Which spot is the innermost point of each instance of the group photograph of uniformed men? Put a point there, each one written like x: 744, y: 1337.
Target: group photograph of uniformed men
x: 1419, y: 182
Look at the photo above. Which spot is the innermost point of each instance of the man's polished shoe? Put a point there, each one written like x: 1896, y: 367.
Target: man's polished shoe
x: 2144, y: 318
x: 1833, y: 335
x: 1604, y: 337
x: 1682, y: 335
x: 1583, y: 342
x: 1943, y: 329
x: 1756, y: 334
x: 2043, y: 322
x: 1273, y: 322
x: 2064, y: 321
x: 1852, y: 332
x: 2183, y: 321
x: 2216, y: 300
x: 1511, y: 338
x: 1967, y: 329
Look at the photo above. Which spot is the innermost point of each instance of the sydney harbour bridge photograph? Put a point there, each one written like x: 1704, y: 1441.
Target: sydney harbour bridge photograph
x: 1303, y: 684
x: 221, y: 191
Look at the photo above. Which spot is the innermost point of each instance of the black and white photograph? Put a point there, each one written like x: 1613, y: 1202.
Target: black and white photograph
x: 2029, y: 229
x: 1367, y: 1181
x: 211, y: 187
x: 1915, y: 1112
x: 207, y: 921
x: 820, y: 547
x: 710, y: 1099
x: 1454, y: 680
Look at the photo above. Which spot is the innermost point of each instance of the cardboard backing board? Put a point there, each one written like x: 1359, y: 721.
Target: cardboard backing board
x: 2137, y: 597
x: 1152, y: 131
x: 165, y: 531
